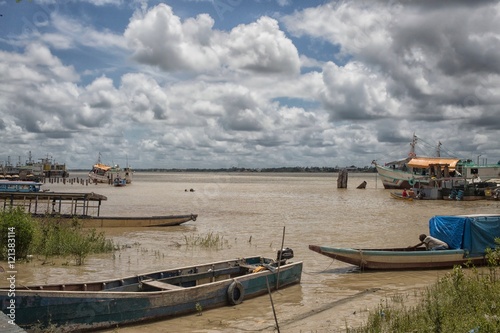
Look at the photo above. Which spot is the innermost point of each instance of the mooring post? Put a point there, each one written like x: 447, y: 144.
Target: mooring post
x: 342, y: 180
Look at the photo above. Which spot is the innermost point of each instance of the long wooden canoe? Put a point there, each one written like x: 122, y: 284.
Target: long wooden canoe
x: 150, y: 296
x: 468, y: 237
x: 399, y: 258
x: 126, y: 221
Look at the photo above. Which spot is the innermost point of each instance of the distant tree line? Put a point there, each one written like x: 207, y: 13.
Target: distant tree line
x: 279, y: 169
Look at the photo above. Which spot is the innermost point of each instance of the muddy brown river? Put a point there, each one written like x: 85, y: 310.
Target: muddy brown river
x: 249, y: 212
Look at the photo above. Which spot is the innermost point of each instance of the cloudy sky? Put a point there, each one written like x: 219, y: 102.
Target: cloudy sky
x: 248, y: 83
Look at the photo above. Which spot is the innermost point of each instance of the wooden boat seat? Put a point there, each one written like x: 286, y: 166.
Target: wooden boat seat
x: 160, y: 285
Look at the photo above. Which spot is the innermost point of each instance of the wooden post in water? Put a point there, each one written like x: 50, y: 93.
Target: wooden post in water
x: 362, y: 185
x: 342, y: 180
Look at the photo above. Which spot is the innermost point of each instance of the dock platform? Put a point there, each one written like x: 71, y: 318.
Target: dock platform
x: 54, y: 202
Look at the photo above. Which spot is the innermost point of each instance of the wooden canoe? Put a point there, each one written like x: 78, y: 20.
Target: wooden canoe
x: 399, y: 196
x: 399, y: 258
x: 126, y: 221
x: 150, y: 296
x: 468, y: 238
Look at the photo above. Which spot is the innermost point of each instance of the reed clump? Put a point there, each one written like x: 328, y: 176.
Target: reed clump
x: 210, y: 241
x: 465, y: 300
x: 17, y: 232
x: 51, y: 237
x: 57, y: 238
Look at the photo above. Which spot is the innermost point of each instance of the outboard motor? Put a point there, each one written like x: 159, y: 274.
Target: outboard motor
x: 284, y: 255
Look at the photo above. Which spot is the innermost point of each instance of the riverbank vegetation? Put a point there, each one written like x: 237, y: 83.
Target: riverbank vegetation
x: 48, y: 237
x: 465, y: 300
x: 210, y: 241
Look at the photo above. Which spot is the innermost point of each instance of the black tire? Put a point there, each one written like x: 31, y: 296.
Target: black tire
x: 235, y: 293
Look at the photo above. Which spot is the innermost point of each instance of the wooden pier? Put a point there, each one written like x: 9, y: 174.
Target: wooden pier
x: 54, y: 202
x: 85, y: 207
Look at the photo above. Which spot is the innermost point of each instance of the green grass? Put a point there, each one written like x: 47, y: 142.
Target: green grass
x: 210, y: 241
x: 465, y: 300
x: 56, y: 237
x: 50, y: 237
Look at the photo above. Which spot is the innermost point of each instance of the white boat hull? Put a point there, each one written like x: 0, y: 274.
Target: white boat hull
x: 397, y: 179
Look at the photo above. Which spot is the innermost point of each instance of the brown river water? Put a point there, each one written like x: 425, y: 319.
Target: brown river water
x: 250, y: 212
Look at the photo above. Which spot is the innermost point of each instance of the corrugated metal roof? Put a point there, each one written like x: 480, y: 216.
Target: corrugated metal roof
x: 102, y: 166
x: 425, y: 162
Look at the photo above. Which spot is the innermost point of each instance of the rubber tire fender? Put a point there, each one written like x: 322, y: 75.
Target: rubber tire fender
x: 235, y: 293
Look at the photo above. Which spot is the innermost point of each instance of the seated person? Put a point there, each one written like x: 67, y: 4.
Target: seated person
x: 431, y: 243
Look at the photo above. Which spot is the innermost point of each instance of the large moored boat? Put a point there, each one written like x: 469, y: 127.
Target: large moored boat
x: 31, y: 170
x: 103, y: 173
x: 437, y: 172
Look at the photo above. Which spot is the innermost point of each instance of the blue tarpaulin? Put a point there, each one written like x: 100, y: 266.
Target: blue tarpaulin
x: 473, y: 233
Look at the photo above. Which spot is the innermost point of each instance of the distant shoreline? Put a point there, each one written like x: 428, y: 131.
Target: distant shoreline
x: 281, y: 169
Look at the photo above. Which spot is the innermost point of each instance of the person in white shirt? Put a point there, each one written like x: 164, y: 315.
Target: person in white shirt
x: 431, y: 243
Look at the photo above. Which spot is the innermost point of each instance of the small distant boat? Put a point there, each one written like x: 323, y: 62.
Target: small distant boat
x: 150, y: 296
x: 119, y: 181
x: 468, y: 237
x: 399, y: 196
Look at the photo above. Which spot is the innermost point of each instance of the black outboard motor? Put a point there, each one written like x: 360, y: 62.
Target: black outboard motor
x: 284, y: 255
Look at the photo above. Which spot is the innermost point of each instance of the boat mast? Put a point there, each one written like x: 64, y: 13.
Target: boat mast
x: 412, y: 145
x: 438, y: 150
x: 30, y: 160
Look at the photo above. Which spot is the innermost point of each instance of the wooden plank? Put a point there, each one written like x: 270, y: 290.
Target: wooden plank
x: 161, y: 285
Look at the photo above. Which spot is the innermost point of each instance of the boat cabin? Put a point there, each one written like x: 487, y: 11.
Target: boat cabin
x: 19, y: 186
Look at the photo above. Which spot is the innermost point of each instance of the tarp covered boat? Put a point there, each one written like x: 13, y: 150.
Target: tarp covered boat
x: 468, y: 238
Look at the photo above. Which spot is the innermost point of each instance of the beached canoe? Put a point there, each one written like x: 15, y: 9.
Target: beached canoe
x: 149, y: 296
x: 398, y: 258
x: 468, y: 238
